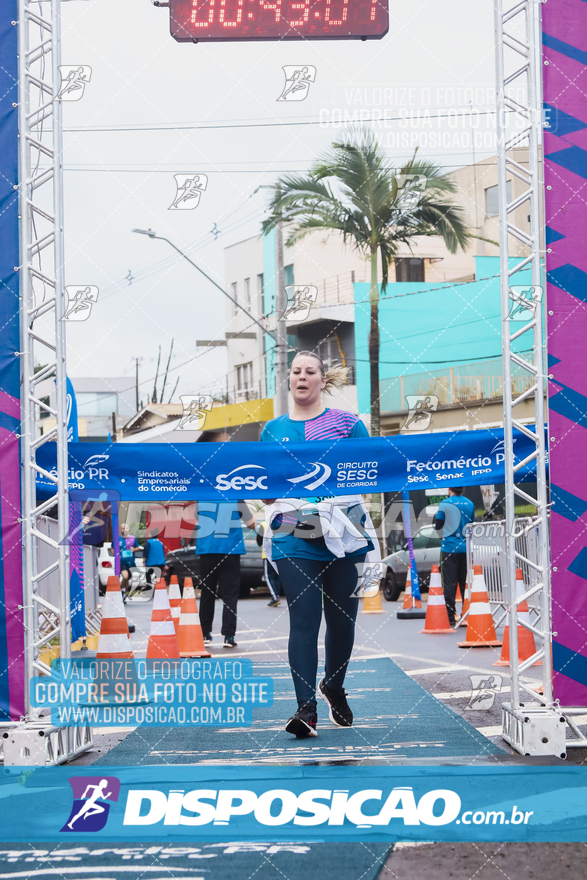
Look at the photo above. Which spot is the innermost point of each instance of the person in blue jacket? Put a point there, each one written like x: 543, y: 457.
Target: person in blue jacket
x: 154, y: 554
x: 453, y: 515
x: 128, y: 545
x: 309, y: 572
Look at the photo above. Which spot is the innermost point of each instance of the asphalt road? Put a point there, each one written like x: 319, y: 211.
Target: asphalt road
x: 435, y: 661
x: 443, y: 669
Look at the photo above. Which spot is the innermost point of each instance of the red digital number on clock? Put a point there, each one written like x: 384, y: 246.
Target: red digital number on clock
x: 195, y: 20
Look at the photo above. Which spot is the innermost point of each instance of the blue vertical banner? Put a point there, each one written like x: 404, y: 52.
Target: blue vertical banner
x: 12, y: 671
x: 115, y: 536
x: 76, y: 550
x: 72, y: 431
x: 407, y: 514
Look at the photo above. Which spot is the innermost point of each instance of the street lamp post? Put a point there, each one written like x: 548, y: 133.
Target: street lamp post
x: 152, y: 234
x: 281, y: 367
x: 281, y: 370
x: 281, y: 406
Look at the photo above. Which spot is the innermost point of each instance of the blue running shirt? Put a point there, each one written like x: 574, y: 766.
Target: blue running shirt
x: 456, y: 541
x: 220, y: 531
x: 332, y: 424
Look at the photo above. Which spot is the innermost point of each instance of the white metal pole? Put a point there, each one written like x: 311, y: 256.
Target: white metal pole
x: 510, y: 565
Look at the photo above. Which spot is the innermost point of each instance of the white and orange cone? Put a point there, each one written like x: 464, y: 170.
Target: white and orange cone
x: 190, y: 638
x: 480, y: 628
x: 526, y: 643
x: 114, y: 640
x: 162, y: 638
x: 409, y: 600
x: 436, y: 613
x: 412, y: 607
x: 467, y: 599
x: 175, y: 601
x: 188, y: 589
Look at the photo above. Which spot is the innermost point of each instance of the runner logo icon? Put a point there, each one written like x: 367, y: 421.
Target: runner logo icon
x: 90, y: 802
x: 318, y: 466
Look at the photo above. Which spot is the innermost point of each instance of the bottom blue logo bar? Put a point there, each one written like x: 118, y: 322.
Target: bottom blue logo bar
x: 309, y: 803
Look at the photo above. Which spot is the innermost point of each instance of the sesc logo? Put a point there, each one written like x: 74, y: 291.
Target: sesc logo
x: 320, y: 471
x: 90, y: 802
x: 250, y: 482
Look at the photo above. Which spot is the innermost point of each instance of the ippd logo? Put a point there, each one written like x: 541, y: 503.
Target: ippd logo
x: 90, y: 802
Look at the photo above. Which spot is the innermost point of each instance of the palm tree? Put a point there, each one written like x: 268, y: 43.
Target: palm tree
x: 355, y: 190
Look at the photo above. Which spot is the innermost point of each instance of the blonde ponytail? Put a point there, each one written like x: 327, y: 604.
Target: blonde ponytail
x: 335, y: 377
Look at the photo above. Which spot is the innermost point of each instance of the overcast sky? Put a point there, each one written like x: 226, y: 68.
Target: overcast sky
x: 436, y: 56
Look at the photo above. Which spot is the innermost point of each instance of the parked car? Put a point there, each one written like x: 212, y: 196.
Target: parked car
x: 184, y: 562
x: 426, y: 543
x: 105, y: 566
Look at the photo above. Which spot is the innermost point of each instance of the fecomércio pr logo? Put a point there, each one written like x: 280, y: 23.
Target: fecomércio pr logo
x: 91, y: 795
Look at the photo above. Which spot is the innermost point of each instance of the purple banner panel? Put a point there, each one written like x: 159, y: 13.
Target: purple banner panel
x: 565, y: 97
x: 11, y: 601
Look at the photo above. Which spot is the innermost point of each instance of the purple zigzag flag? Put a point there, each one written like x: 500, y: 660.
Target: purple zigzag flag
x: 565, y: 92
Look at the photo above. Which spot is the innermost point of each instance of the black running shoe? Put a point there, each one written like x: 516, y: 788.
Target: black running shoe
x: 339, y: 710
x: 207, y: 638
x: 229, y: 642
x: 274, y: 603
x: 303, y: 723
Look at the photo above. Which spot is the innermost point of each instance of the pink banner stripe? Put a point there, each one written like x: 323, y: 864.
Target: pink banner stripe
x: 12, y: 565
x: 9, y: 405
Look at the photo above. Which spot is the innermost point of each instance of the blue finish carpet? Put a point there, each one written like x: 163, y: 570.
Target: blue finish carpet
x: 394, y: 718
x: 212, y: 861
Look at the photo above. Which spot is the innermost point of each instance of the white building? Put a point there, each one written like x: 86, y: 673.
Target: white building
x: 321, y: 259
x: 103, y: 405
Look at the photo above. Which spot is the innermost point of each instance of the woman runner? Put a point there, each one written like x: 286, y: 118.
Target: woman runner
x: 308, y: 570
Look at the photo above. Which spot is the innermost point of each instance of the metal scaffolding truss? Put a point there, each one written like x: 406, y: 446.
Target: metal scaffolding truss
x: 42, y: 304
x: 532, y: 723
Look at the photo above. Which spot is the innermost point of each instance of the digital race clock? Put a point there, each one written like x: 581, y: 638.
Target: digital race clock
x: 200, y: 20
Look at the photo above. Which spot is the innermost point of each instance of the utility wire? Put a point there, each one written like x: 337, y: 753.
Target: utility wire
x: 279, y: 123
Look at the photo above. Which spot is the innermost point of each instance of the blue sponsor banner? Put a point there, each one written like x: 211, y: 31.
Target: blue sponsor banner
x: 151, y: 693
x: 308, y: 803
x: 323, y: 468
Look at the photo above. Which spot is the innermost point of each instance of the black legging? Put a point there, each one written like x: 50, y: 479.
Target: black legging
x: 305, y: 581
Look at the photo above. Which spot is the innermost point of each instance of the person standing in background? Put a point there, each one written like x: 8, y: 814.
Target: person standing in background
x: 128, y: 547
x: 270, y: 573
x: 220, y: 544
x: 154, y: 555
x: 453, y: 515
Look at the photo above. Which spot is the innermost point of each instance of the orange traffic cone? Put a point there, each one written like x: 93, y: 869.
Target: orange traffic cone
x: 188, y: 589
x: 175, y: 601
x: 458, y: 597
x: 526, y: 643
x: 190, y: 638
x: 162, y: 638
x: 436, y: 613
x: 467, y: 600
x: 480, y: 629
x: 412, y: 607
x: 409, y: 600
x: 372, y: 604
x: 114, y: 640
